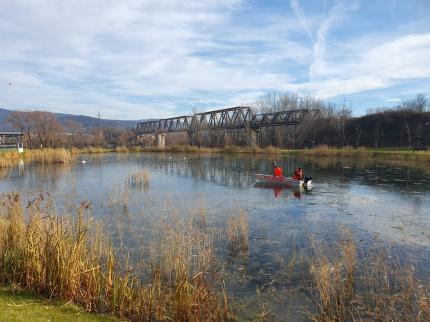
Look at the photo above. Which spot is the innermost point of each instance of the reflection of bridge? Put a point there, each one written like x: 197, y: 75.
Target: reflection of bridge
x: 240, y: 117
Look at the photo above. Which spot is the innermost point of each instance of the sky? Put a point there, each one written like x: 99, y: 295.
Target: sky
x: 138, y: 59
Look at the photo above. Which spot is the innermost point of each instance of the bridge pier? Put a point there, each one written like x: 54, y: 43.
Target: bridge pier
x: 252, y: 138
x: 160, y: 140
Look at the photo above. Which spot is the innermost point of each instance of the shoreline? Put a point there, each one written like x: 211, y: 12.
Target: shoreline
x: 65, y: 155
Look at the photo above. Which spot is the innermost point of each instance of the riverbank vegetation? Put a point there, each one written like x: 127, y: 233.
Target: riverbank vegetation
x: 378, y: 286
x: 45, y: 156
x: 64, y: 156
x: 380, y: 154
x: 72, y: 258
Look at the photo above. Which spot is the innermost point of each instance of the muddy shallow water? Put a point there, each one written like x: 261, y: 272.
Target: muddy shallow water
x: 383, y: 203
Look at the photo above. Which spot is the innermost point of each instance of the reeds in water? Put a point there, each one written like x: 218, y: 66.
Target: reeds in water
x: 49, y: 156
x: 363, y: 152
x: 375, y: 287
x: 139, y: 180
x: 251, y: 149
x: 237, y: 229
x: 9, y: 158
x: 69, y: 257
x: 12, y: 158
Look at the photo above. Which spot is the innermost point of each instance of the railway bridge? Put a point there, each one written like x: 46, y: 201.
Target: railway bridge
x: 233, y: 118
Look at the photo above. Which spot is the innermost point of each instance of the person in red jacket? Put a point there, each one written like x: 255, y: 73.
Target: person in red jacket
x: 277, y: 171
x: 298, y: 174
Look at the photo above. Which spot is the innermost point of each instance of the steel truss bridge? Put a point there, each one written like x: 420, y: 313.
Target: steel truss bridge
x: 238, y: 117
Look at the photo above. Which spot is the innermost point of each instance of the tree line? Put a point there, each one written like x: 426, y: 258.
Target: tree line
x: 43, y: 129
x: 406, y: 125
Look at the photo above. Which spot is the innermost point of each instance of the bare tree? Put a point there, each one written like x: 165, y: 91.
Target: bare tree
x: 418, y: 104
x: 46, y: 128
x: 21, y: 121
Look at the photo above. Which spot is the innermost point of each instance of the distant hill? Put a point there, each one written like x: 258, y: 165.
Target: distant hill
x: 87, y: 122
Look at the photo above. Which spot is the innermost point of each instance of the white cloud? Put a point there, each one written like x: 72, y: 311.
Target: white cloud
x: 393, y: 100
x: 146, y: 58
x: 392, y: 62
x: 73, y: 51
x: 301, y: 17
x: 335, y: 16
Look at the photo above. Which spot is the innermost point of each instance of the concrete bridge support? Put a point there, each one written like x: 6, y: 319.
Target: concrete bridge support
x: 160, y: 140
x: 252, y: 138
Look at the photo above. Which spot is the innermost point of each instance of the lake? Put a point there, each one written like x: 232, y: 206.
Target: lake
x: 383, y: 204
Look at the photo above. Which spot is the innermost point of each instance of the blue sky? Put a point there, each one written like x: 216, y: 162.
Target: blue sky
x: 156, y: 58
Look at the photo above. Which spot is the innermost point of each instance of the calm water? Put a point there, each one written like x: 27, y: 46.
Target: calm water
x: 383, y: 203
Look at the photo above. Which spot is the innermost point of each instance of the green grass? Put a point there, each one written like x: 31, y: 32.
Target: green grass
x: 23, y: 306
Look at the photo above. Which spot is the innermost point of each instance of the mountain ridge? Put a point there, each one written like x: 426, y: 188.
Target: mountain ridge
x: 88, y: 122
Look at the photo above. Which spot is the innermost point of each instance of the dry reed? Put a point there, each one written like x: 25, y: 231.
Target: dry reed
x: 9, y: 158
x: 237, y: 229
x: 139, y: 180
x: 49, y: 156
x: 376, y: 287
x: 67, y: 257
x: 362, y: 152
x: 12, y: 158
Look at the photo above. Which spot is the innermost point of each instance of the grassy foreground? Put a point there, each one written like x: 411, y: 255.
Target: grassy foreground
x: 21, y: 306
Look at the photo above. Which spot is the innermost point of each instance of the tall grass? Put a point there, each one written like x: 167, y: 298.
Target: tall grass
x: 139, y: 180
x: 226, y: 149
x: 237, y: 230
x: 69, y: 257
x: 180, y: 148
x: 362, y: 152
x: 333, y: 275
x: 12, y: 158
x: 375, y: 287
x: 8, y: 158
x: 49, y: 156
x: 128, y: 149
x: 250, y: 149
x: 91, y: 150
